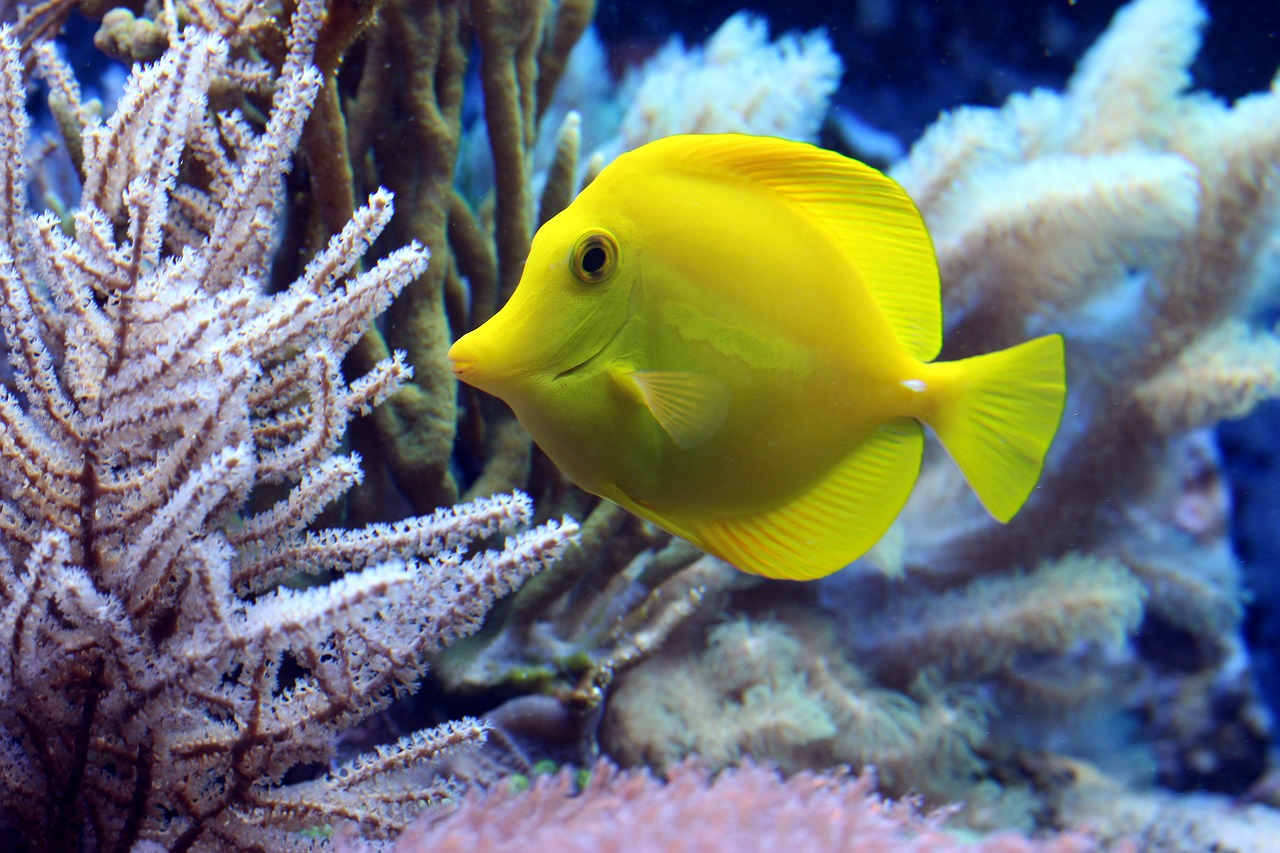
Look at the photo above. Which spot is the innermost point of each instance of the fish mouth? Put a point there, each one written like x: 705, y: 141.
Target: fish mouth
x: 459, y: 363
x: 586, y: 362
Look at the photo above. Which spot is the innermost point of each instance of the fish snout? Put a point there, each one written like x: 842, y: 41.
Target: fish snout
x: 480, y: 361
x: 463, y: 358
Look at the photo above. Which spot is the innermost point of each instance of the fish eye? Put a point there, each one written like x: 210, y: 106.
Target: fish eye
x: 595, y: 256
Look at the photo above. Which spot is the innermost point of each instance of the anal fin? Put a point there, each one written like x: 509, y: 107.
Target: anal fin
x: 834, y: 523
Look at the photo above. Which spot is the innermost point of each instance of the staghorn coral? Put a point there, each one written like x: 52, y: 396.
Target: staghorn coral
x: 167, y: 441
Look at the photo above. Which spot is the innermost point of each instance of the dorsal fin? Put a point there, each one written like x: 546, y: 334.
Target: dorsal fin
x: 866, y: 212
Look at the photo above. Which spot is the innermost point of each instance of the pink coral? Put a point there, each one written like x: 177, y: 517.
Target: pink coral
x: 743, y: 809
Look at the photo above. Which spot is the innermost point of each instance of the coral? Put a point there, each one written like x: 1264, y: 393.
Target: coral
x: 1221, y: 376
x: 779, y: 691
x: 1132, y: 214
x: 1152, y: 819
x: 1062, y: 603
x: 746, y: 809
x: 125, y: 36
x: 403, y: 128
x: 168, y: 440
x: 738, y: 82
x: 747, y: 693
x: 390, y: 112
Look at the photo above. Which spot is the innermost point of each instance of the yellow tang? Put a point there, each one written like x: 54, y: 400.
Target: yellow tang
x: 730, y: 336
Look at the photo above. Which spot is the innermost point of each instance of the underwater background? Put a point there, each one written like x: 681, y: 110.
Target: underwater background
x: 1102, y: 673
x: 905, y: 62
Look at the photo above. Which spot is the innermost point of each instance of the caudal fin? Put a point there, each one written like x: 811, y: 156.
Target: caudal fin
x: 997, y: 415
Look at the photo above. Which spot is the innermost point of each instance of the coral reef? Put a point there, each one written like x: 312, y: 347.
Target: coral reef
x: 1128, y: 211
x: 1133, y: 215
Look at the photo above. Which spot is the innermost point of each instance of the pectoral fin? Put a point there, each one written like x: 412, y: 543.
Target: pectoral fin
x: 690, y: 407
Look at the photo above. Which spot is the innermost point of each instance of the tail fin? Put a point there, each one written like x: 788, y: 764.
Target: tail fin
x: 997, y: 414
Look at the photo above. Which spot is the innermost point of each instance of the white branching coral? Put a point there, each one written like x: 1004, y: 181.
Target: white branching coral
x: 155, y: 684
x: 737, y: 82
x: 1130, y: 214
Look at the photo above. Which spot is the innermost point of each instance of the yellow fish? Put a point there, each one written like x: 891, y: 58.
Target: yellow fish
x: 731, y: 337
